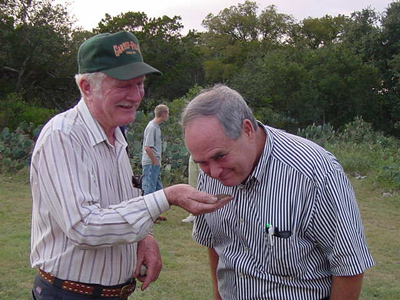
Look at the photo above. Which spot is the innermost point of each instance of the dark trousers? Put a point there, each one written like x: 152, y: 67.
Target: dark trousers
x: 43, y: 290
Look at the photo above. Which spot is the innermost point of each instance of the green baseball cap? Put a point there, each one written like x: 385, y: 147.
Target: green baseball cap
x: 115, y: 54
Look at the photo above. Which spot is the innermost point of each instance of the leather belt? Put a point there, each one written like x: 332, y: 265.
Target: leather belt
x: 122, y: 292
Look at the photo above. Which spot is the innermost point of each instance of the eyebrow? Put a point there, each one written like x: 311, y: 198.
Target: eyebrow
x: 213, y: 157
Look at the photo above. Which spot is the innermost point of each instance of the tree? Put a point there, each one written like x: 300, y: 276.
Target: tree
x: 274, y: 27
x: 363, y: 36
x: 239, y: 23
x: 35, y: 38
x: 344, y: 85
x: 237, y: 34
x: 375, y: 38
x: 324, y: 85
x: 390, y: 64
x: 317, y: 32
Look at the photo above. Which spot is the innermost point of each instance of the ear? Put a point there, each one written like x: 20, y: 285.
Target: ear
x: 248, y: 129
x: 86, y: 88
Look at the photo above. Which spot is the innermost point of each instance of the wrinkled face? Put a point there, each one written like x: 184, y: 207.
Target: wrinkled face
x: 230, y: 161
x: 116, y: 101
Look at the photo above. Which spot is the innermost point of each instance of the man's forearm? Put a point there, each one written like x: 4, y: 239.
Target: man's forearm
x: 152, y: 156
x: 213, y: 258
x: 346, y: 287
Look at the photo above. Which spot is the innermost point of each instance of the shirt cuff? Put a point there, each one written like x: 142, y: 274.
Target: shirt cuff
x: 157, y: 203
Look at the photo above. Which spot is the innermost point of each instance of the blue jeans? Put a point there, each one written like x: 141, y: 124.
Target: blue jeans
x: 42, y: 290
x: 151, y: 180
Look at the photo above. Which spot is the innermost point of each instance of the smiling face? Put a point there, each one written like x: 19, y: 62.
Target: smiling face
x: 227, y: 160
x: 116, y: 101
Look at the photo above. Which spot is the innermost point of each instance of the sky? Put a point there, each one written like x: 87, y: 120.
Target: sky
x: 193, y: 12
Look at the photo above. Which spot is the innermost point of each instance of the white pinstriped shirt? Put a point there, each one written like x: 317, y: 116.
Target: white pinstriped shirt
x: 86, y: 216
x: 299, y: 187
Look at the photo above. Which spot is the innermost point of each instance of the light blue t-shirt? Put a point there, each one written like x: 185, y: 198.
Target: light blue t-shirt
x: 152, y: 139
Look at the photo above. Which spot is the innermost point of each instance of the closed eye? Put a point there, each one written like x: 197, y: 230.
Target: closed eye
x: 218, y: 156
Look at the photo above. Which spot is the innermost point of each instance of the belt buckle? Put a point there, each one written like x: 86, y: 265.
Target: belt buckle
x: 128, y: 289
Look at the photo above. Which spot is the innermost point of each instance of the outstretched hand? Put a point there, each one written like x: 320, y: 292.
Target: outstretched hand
x: 194, y: 201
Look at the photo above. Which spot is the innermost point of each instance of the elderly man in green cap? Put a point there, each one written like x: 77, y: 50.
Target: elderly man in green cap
x: 91, y: 229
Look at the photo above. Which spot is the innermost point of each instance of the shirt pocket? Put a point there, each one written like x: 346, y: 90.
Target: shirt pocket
x: 285, y: 257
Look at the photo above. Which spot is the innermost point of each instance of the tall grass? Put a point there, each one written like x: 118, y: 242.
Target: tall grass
x: 363, y: 152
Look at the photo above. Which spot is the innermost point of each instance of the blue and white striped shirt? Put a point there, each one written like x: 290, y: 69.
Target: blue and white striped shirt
x: 297, y: 186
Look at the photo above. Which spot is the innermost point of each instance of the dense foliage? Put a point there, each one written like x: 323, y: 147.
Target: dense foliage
x: 293, y: 73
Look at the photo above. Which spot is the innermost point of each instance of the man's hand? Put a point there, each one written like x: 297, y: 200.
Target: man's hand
x: 149, y: 256
x: 194, y: 201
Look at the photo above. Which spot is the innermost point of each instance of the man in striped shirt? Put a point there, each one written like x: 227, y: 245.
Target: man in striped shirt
x: 293, y: 230
x: 90, y: 226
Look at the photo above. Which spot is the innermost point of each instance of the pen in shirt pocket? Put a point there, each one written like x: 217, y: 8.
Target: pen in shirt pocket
x: 274, y: 231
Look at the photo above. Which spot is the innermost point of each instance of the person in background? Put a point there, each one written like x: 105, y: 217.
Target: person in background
x: 293, y: 230
x: 152, y: 153
x: 192, y: 180
x: 91, y: 229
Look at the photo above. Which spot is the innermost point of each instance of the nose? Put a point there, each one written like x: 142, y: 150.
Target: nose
x: 214, y: 170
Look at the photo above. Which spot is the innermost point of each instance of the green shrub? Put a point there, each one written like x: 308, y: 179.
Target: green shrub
x: 362, y: 151
x: 356, y: 159
x: 320, y: 134
x: 389, y: 176
x: 16, y: 147
x: 14, y: 111
x: 358, y: 132
x: 37, y: 115
x: 278, y: 120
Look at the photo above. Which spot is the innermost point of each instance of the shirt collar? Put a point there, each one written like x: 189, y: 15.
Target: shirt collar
x: 97, y: 135
x: 260, y: 168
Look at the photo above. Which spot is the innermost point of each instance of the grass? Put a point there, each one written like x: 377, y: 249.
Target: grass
x: 185, y: 274
x: 381, y: 217
x: 15, y: 214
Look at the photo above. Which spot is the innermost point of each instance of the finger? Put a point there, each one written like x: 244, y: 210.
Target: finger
x: 222, y: 200
x: 137, y: 271
x: 147, y: 279
x: 145, y: 284
x: 222, y: 196
x: 204, y: 198
x: 203, y: 208
x: 139, y: 265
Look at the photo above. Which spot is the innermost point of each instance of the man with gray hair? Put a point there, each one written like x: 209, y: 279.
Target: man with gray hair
x: 91, y: 229
x: 293, y: 229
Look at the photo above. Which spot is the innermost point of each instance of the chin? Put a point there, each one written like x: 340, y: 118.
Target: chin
x: 127, y: 121
x: 229, y: 182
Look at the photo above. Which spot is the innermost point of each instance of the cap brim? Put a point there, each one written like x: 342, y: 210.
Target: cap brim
x: 130, y: 71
